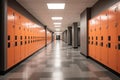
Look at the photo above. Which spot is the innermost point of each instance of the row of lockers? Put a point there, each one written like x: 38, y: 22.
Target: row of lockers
x: 49, y: 38
x: 24, y: 37
x: 104, y: 37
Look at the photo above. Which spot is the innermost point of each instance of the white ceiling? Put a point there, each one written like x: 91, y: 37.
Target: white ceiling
x: 71, y: 13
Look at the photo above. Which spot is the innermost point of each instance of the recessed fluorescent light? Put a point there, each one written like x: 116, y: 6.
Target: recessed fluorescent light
x: 57, y: 26
x: 57, y: 29
x: 56, y: 5
x: 57, y: 23
x: 57, y: 18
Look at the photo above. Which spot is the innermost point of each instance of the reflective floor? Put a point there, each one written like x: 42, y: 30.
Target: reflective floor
x: 59, y: 61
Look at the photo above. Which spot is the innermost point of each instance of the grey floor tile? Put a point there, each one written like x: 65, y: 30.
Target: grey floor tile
x: 58, y: 61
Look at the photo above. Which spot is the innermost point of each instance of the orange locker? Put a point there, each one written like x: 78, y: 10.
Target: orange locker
x: 17, y: 32
x: 17, y: 18
x: 10, y: 33
x: 10, y: 55
x: 94, y: 40
x: 112, y: 56
x: 112, y: 32
x: 90, y: 38
x: 10, y: 16
x: 104, y: 25
x: 118, y: 36
x: 17, y: 52
x: 24, y: 38
x: 118, y: 58
x: 113, y: 14
x: 104, y: 53
x: 98, y: 34
x: 22, y: 48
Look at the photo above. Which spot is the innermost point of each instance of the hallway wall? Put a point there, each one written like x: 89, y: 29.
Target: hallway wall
x: 23, y: 35
x: 104, y: 37
x: 102, y: 5
x: 84, y: 17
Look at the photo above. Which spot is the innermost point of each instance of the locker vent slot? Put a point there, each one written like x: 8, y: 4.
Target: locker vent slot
x: 118, y: 38
x: 8, y: 37
x: 9, y: 45
x: 25, y: 37
x: 102, y: 44
x: 96, y: 43
x: 96, y: 38
x: 21, y: 42
x: 109, y: 45
x: 15, y: 37
x: 25, y: 42
x: 21, y: 37
x: 92, y: 37
x: 89, y: 37
x: 109, y: 38
x: 118, y: 46
x: 15, y: 43
x: 101, y: 37
x: 28, y: 42
x: 92, y: 42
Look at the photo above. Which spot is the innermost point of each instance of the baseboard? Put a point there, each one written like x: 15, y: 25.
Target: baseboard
x: 75, y: 47
x: 84, y: 55
x: 4, y: 72
x: 114, y: 72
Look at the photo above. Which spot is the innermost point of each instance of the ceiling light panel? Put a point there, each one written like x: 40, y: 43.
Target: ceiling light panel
x: 57, y: 23
x: 57, y: 26
x: 57, y: 18
x: 57, y: 29
x: 56, y: 5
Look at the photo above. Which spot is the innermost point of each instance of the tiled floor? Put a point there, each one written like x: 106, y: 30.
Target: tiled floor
x: 59, y: 61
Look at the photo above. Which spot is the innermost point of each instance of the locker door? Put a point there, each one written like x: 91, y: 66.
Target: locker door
x: 113, y: 14
x: 10, y: 55
x: 112, y: 32
x: 104, y: 37
x: 104, y: 53
x: 118, y: 38
x: 112, y: 28
x: 98, y: 51
x: 17, y: 44
x: 118, y: 56
x: 17, y: 52
x: 10, y: 16
x: 104, y: 25
x: 112, y: 56
x: 94, y: 41
x: 22, y: 43
x: 17, y: 18
x: 89, y: 39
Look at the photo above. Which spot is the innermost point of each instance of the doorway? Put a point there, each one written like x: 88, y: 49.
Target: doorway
x: 57, y: 37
